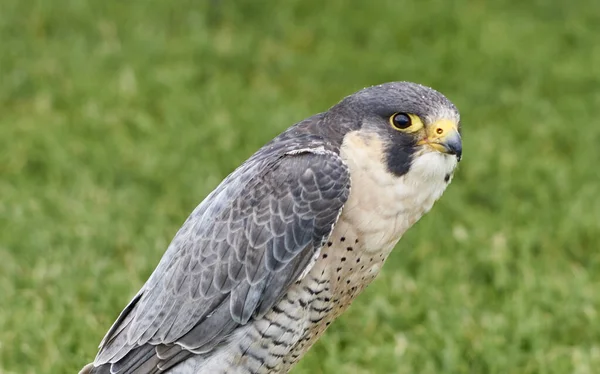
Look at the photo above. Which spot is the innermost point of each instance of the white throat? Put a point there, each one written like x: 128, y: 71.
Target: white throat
x: 382, y: 205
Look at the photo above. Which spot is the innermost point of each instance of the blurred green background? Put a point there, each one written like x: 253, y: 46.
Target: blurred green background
x: 118, y: 117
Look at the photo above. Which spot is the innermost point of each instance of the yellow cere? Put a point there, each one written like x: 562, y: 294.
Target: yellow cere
x: 441, y: 128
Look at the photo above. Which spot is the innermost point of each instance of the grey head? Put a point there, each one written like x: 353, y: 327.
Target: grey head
x: 409, y: 118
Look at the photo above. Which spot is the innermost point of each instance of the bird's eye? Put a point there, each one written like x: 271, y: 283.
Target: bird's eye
x: 401, y: 121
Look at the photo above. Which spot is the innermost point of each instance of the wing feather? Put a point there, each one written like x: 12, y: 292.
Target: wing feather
x: 231, y: 261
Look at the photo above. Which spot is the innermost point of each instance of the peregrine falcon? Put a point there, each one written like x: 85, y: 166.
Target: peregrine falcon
x: 285, y: 243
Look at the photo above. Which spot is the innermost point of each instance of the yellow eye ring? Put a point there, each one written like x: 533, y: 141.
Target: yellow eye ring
x: 405, y: 122
x: 401, y: 121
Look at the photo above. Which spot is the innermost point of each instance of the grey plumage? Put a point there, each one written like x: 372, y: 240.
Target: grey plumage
x: 242, y: 248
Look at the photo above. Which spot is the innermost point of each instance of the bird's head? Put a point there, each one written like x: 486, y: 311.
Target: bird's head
x: 415, y: 124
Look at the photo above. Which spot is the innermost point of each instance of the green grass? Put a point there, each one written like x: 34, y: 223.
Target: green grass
x: 118, y: 117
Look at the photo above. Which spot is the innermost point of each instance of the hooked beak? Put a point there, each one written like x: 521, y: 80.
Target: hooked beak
x: 444, y: 137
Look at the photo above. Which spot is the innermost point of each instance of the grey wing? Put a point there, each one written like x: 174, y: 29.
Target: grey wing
x: 231, y: 261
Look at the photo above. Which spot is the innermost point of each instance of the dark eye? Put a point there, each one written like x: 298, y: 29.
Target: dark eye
x: 401, y: 121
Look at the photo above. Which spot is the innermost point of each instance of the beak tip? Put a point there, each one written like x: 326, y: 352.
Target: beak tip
x: 454, y: 146
x: 456, y: 151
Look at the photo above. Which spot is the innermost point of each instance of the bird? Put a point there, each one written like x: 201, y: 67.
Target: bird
x: 286, y: 242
